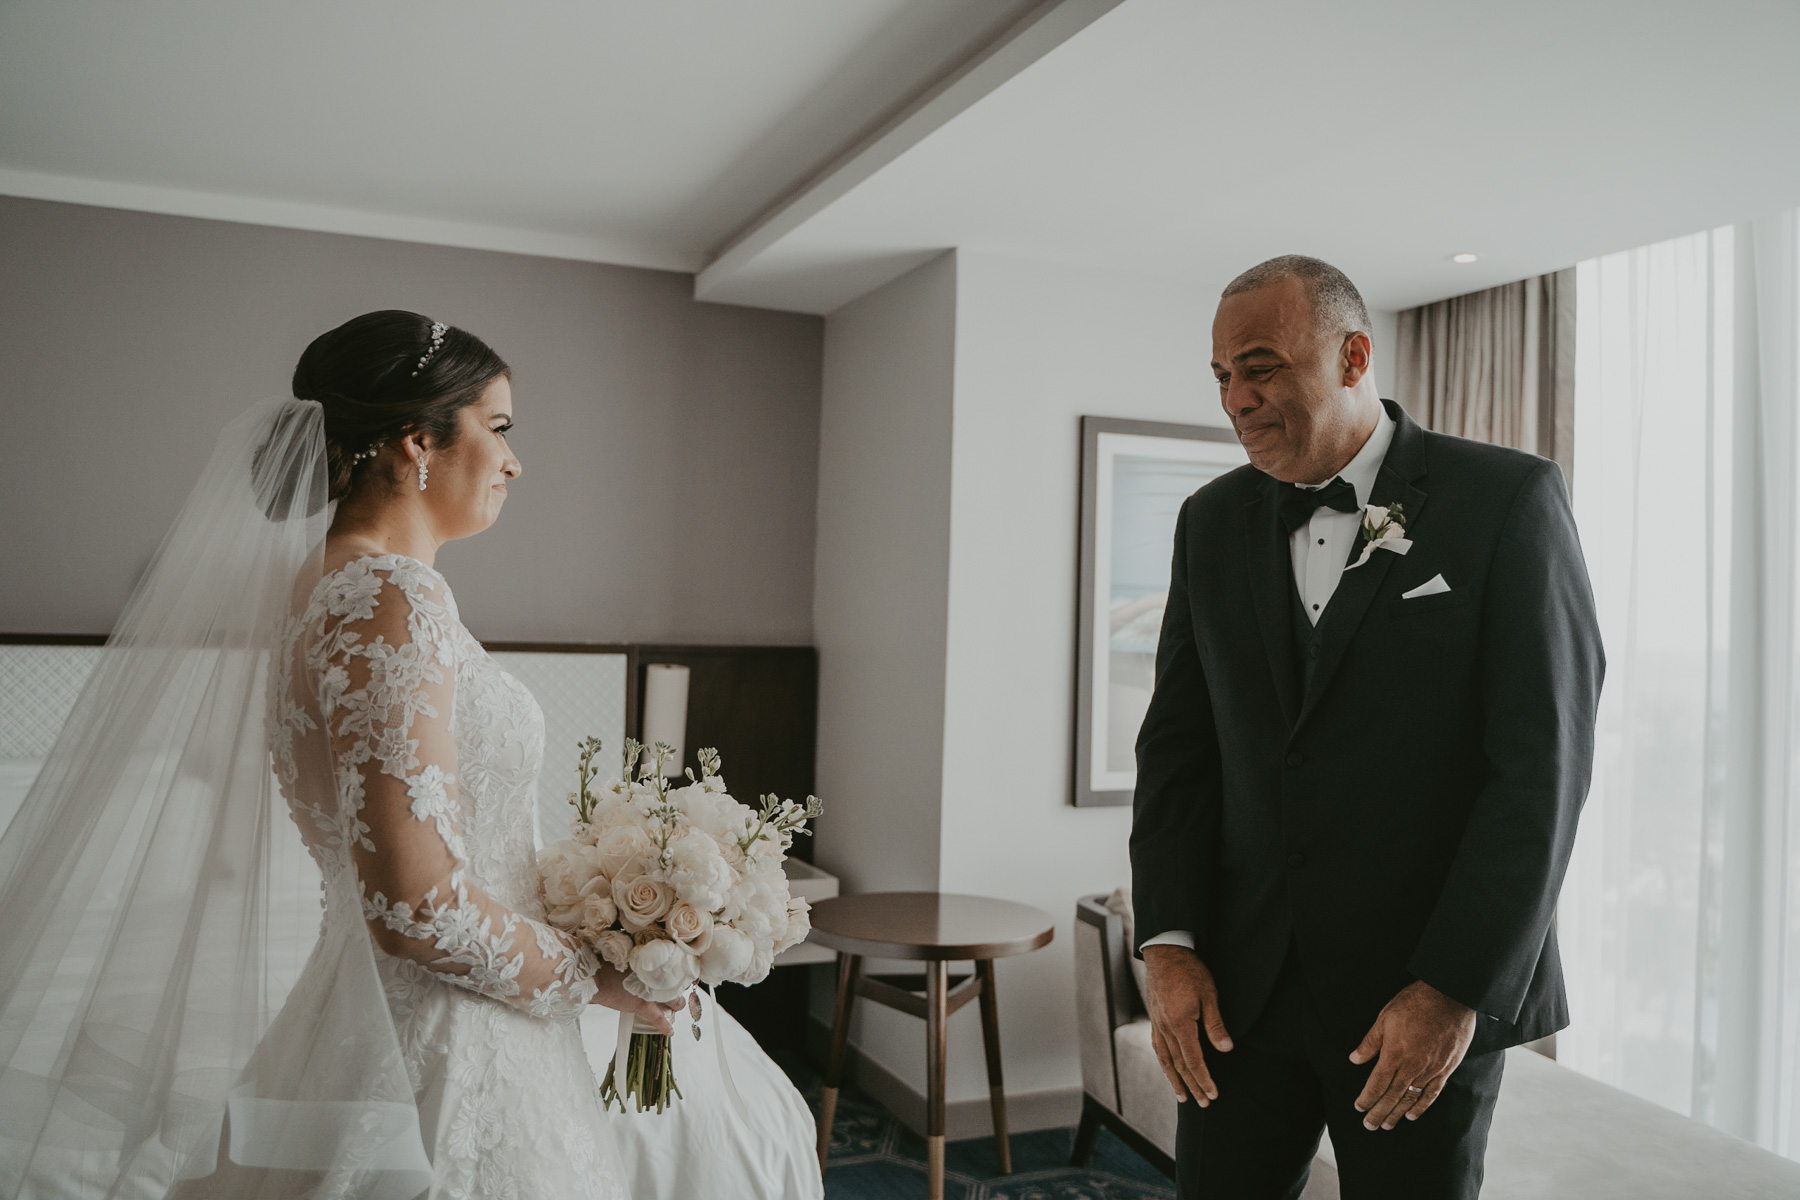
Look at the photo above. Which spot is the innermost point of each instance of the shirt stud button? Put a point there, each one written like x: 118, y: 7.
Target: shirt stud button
x: 1295, y: 759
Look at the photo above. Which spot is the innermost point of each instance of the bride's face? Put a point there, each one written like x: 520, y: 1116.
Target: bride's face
x: 467, y: 481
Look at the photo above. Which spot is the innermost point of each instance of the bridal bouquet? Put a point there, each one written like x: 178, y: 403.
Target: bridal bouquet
x: 673, y: 887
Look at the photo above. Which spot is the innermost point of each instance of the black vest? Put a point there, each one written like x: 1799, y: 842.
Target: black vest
x: 1307, y: 637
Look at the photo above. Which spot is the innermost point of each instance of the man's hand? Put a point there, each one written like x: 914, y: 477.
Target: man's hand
x: 1182, y: 998
x: 1419, y: 1037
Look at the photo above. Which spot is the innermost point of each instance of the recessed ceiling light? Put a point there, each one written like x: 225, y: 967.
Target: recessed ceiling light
x: 1464, y: 258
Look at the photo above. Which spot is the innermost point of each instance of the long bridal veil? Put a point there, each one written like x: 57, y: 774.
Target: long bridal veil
x: 157, y: 904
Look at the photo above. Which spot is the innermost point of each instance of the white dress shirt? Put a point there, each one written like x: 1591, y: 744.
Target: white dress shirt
x: 1319, y: 550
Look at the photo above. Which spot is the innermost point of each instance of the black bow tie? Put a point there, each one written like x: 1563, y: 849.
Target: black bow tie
x: 1298, y: 503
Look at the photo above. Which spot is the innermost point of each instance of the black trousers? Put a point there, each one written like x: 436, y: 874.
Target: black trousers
x: 1285, y: 1081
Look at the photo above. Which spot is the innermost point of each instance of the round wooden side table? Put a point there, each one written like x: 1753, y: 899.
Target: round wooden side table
x: 937, y: 930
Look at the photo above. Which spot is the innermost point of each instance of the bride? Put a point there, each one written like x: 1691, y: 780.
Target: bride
x: 177, y: 1014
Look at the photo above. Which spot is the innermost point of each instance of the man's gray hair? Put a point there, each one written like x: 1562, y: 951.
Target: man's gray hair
x: 1337, y: 307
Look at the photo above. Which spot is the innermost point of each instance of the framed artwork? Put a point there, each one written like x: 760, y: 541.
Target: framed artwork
x: 1134, y: 477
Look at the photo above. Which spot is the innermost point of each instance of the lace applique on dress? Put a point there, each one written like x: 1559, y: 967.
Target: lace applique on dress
x: 380, y: 638
x: 424, y: 820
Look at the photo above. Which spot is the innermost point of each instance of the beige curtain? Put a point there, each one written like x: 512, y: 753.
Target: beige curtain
x: 1497, y: 366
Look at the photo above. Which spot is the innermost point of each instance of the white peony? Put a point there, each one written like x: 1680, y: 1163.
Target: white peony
x: 614, y: 807
x: 660, y: 971
x: 711, y: 811
x: 564, y: 869
x: 614, y: 948
x: 699, y: 872
x: 755, y: 903
x: 642, y: 901
x: 733, y: 854
x: 759, y: 966
x: 799, y: 923
x: 623, y: 851
x: 727, y: 958
x: 690, y: 927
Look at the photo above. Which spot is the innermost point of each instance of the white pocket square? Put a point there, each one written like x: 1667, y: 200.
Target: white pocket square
x: 1430, y: 587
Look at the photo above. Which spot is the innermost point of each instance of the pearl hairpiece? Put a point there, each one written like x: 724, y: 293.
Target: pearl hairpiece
x: 438, y: 329
x: 374, y: 448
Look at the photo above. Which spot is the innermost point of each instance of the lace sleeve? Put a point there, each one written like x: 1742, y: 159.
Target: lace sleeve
x: 386, y: 679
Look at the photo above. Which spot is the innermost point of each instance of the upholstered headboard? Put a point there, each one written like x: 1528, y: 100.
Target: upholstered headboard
x: 756, y: 704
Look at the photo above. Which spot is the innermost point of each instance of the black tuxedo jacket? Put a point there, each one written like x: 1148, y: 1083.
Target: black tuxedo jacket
x: 1410, y: 816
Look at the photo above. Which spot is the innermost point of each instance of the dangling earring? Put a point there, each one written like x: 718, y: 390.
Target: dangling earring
x: 423, y: 471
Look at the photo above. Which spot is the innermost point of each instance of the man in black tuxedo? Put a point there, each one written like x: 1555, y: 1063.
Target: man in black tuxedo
x: 1359, y: 775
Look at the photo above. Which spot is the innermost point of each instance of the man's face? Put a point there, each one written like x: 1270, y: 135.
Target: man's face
x: 1280, y: 382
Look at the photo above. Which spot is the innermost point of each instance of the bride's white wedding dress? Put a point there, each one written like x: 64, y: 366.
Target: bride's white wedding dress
x: 437, y: 751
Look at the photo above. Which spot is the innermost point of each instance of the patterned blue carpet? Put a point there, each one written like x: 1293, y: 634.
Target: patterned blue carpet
x: 874, y: 1157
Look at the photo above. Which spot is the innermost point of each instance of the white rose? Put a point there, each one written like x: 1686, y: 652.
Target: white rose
x: 642, y: 901
x: 660, y: 971
x: 699, y: 872
x: 598, y: 912
x: 729, y: 956
x: 690, y: 927
x: 621, y: 851
x: 615, y: 947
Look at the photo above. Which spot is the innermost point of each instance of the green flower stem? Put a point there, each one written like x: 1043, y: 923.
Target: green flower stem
x: 649, y: 1075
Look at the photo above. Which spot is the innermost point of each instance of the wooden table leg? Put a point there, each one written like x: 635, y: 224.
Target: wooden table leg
x: 937, y: 1022
x: 848, y: 965
x: 990, y: 1041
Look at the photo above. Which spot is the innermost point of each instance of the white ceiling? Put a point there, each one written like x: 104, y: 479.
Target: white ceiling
x: 1180, y: 138
x: 1191, y: 140
x: 635, y: 131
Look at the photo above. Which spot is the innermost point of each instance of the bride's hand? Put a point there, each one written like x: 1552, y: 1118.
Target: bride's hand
x: 612, y: 994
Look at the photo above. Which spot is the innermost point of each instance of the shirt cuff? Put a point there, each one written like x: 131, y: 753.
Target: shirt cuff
x: 1174, y: 937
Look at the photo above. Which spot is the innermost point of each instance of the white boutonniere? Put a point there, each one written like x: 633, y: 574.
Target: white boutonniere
x: 1383, y: 528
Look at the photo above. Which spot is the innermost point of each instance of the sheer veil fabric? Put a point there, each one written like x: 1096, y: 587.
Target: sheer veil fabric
x: 157, y: 904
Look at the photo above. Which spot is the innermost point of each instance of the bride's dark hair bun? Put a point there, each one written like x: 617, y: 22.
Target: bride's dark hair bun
x: 386, y: 374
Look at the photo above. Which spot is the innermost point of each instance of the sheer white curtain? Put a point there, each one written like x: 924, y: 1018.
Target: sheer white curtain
x: 1680, y: 920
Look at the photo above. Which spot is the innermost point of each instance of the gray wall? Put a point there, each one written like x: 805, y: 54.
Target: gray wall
x: 670, y: 447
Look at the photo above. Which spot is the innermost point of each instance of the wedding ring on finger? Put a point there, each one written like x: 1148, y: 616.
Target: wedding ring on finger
x: 1415, y: 1089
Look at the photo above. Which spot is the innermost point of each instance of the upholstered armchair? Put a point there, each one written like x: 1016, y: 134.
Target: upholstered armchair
x: 1122, y: 1085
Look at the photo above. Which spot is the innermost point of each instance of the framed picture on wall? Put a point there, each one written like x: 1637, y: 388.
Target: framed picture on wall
x: 1134, y: 477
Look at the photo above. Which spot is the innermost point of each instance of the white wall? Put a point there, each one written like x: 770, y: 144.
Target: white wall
x: 1385, y: 338
x: 1038, y: 347
x: 878, y: 606
x: 879, y: 586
